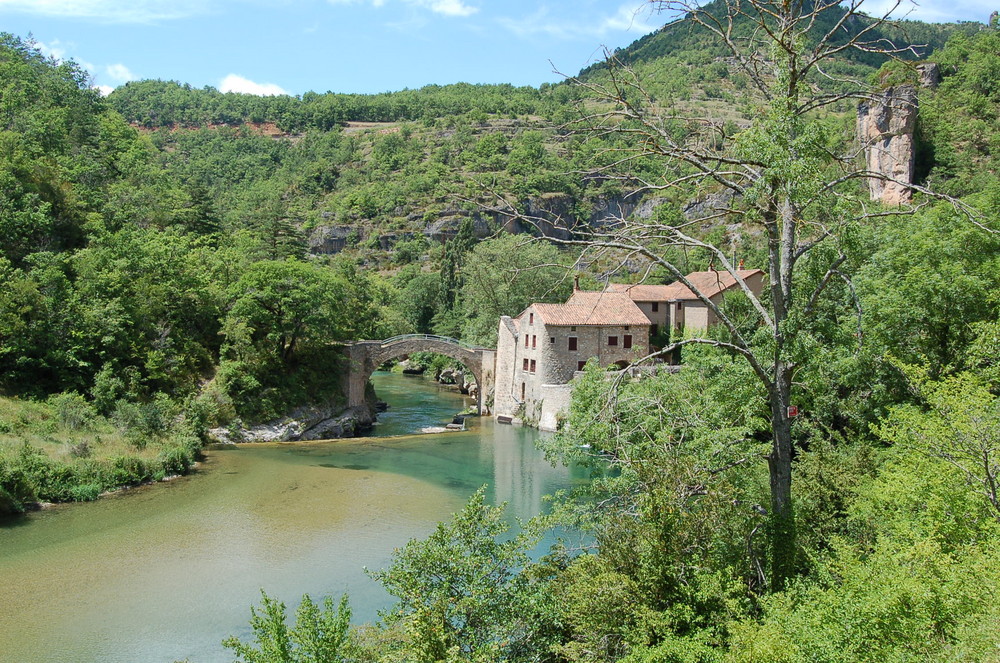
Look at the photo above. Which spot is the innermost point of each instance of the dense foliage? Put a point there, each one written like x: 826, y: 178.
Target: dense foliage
x: 896, y: 458
x: 161, y: 280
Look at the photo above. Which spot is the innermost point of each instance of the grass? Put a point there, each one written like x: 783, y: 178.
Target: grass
x: 63, y: 451
x: 40, y: 425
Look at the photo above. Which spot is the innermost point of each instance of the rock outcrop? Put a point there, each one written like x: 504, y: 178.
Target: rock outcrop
x: 303, y: 424
x: 930, y: 74
x: 886, y: 125
x: 327, y: 240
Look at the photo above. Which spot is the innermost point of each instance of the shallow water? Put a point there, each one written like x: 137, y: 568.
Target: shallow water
x: 165, y: 572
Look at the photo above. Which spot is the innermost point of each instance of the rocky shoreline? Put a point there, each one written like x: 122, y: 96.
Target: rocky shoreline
x: 329, y: 422
x: 302, y: 424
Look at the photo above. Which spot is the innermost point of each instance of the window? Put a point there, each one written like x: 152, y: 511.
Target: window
x: 525, y: 363
x: 525, y: 340
x: 552, y: 339
x: 572, y: 328
x: 531, y: 318
x: 627, y: 341
x: 654, y: 330
x: 572, y: 343
x: 532, y: 366
x: 656, y: 307
x: 580, y: 365
x: 522, y: 391
x: 534, y: 341
x: 625, y: 327
x: 612, y: 340
x: 679, y: 306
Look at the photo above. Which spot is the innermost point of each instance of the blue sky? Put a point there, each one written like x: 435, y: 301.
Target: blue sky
x: 293, y: 46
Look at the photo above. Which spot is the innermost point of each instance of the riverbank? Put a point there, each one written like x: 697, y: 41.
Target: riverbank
x: 165, y: 572
x: 59, y: 451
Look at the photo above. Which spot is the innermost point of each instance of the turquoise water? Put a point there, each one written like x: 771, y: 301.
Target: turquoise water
x: 165, y: 572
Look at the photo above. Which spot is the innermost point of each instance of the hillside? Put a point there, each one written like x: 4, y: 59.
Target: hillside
x: 370, y: 172
x: 138, y: 225
x: 816, y: 482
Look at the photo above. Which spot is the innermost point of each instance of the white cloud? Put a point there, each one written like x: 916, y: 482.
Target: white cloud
x: 631, y: 17
x: 105, y: 90
x: 112, y: 11
x: 56, y: 49
x: 444, y: 7
x: 53, y: 49
x: 447, y: 7
x: 235, y: 83
x: 935, y: 11
x: 119, y: 72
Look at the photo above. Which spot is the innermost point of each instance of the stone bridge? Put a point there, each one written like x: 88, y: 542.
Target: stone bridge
x: 366, y: 356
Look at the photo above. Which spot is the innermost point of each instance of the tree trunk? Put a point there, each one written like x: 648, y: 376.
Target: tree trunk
x: 779, y: 464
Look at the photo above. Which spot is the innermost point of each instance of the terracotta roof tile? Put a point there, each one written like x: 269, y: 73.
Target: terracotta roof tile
x: 592, y: 309
x: 646, y: 292
x: 709, y: 283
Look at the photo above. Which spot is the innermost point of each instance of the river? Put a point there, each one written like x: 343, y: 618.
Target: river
x: 165, y: 572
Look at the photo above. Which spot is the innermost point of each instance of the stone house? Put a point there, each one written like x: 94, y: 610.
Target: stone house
x: 539, y: 351
x: 675, y: 307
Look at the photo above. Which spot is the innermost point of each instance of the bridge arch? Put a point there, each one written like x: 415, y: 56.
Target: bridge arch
x: 367, y: 356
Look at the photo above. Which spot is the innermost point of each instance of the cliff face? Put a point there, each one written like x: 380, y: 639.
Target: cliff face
x: 885, y: 129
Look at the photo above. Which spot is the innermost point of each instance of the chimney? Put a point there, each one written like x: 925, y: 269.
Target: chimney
x: 576, y: 283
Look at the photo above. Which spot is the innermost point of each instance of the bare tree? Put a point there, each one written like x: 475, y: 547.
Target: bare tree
x: 778, y: 173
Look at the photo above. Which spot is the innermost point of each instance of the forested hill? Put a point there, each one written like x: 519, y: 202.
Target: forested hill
x: 136, y: 226
x: 152, y: 104
x: 173, y: 270
x: 683, y: 40
x: 369, y: 172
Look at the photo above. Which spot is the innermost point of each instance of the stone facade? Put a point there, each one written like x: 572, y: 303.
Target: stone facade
x: 678, y: 308
x: 536, y: 359
x: 541, y: 350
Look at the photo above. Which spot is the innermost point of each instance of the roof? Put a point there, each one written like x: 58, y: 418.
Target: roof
x: 592, y: 309
x: 709, y: 283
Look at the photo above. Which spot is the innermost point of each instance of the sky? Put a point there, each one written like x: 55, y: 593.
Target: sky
x: 366, y: 46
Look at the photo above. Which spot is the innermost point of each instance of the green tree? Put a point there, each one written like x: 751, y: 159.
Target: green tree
x: 779, y: 175
x: 468, y: 592
x: 280, y: 306
x: 960, y: 426
x: 502, y: 276
x: 452, y: 261
x: 319, y: 635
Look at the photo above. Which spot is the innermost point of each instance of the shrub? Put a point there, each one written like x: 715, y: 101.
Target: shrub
x: 86, y: 492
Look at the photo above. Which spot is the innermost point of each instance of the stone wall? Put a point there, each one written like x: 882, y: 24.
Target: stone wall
x: 658, y: 317
x: 504, y: 402
x: 555, y: 399
x: 561, y: 362
x: 555, y: 363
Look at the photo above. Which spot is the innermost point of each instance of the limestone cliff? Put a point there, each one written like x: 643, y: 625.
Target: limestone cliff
x: 885, y: 130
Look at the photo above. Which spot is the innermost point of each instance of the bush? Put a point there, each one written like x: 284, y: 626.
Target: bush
x: 320, y: 633
x: 180, y: 456
x: 87, y: 492
x: 73, y: 410
x: 16, y: 488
